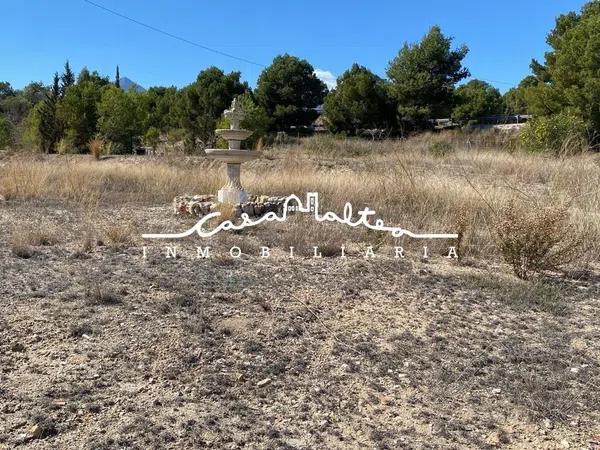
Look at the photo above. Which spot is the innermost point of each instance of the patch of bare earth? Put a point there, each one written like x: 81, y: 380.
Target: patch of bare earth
x: 102, y: 349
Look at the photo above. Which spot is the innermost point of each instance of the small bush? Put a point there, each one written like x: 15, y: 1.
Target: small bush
x: 533, y: 240
x: 95, y: 146
x: 120, y: 234
x: 99, y: 296
x: 560, y: 133
x: 440, y: 148
x: 25, y: 237
x: 116, y: 148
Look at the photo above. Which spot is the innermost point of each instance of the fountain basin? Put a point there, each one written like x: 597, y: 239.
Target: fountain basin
x: 233, y: 135
x: 232, y: 156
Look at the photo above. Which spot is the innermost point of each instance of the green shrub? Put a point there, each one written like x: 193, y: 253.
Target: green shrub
x: 560, y: 133
x: 152, y: 137
x: 7, y: 132
x: 440, y: 148
x: 116, y: 148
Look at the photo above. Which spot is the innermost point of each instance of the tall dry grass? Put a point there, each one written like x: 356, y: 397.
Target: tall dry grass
x: 406, y: 182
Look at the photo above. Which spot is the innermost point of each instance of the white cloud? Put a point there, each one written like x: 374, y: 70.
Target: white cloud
x: 326, y: 77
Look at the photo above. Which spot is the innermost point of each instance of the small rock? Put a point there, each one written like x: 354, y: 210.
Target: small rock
x: 565, y: 444
x: 493, y: 439
x: 574, y: 370
x: 264, y: 382
x: 36, y: 432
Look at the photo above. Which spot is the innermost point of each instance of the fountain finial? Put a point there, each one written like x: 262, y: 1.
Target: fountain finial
x: 235, y: 114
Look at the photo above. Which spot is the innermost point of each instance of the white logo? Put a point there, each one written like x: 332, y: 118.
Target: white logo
x: 312, y: 206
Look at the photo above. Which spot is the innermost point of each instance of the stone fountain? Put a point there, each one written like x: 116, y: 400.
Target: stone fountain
x: 232, y: 193
x: 234, y: 156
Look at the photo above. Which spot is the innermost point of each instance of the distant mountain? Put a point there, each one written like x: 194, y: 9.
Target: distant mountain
x: 127, y: 84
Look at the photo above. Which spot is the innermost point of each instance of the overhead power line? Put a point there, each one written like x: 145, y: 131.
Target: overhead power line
x: 204, y: 47
x: 173, y: 36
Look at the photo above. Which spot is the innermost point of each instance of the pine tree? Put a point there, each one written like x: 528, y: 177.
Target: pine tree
x: 67, y: 78
x: 49, y: 126
x: 118, y: 79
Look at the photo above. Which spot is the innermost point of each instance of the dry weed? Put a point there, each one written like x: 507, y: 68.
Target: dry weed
x: 95, y: 146
x: 26, y: 236
x: 120, y: 234
x: 536, y: 239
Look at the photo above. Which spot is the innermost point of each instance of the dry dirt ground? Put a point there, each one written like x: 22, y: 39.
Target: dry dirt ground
x: 101, y: 349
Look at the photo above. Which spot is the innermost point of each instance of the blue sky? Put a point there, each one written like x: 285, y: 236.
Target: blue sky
x: 37, y: 36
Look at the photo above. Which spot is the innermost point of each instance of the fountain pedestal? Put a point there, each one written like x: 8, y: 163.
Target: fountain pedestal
x: 233, y: 192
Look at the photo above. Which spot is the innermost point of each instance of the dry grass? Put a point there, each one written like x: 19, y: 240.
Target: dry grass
x: 96, y: 147
x: 534, y: 240
x: 25, y: 236
x: 405, y: 181
x: 120, y: 234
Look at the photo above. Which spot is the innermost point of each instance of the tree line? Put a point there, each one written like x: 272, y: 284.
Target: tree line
x: 423, y: 83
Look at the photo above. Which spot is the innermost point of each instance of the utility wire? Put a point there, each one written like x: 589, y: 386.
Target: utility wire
x: 204, y: 47
x: 173, y: 36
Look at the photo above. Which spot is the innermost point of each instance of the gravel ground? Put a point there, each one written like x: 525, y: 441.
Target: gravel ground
x: 102, y: 349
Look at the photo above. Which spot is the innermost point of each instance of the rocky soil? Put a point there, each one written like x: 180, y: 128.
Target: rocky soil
x: 101, y: 348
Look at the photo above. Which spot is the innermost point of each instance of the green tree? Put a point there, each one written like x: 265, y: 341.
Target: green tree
x: 152, y: 137
x: 514, y: 99
x: 7, y: 131
x: 476, y: 99
x: 119, y: 120
x: 67, y: 78
x: 423, y: 78
x: 6, y: 90
x: 35, y: 92
x: 17, y: 105
x: 256, y: 119
x: 158, y: 105
x: 201, y: 103
x: 569, y: 79
x: 360, y: 101
x: 78, y: 111
x: 48, y: 122
x: 30, y: 128
x: 118, y: 78
x: 289, y: 91
x: 93, y: 77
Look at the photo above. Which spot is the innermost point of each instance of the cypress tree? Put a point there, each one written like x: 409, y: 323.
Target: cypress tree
x: 67, y: 78
x: 118, y: 79
x: 49, y: 125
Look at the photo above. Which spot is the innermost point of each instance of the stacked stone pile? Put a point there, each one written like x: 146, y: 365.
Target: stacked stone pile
x: 201, y: 205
